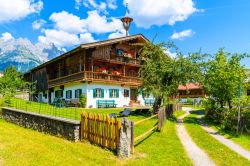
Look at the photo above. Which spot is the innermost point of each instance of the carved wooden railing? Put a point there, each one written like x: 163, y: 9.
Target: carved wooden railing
x: 66, y: 79
x: 122, y: 60
x: 94, y: 76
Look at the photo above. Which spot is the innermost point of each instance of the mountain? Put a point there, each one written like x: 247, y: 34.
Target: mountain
x: 25, y: 55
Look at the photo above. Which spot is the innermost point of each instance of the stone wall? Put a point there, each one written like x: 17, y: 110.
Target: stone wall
x: 69, y: 129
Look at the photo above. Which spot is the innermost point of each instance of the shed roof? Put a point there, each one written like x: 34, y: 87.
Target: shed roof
x: 190, y: 86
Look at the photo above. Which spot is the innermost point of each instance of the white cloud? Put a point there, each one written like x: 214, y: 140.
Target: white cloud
x: 17, y: 9
x: 93, y: 4
x: 99, y: 24
x: 86, y: 38
x: 38, y: 24
x: 160, y: 12
x: 70, y: 30
x: 6, y: 36
x: 171, y: 54
x: 64, y: 39
x: 181, y: 35
x: 117, y: 34
x: 67, y: 22
x: 112, y: 4
x: 59, y: 38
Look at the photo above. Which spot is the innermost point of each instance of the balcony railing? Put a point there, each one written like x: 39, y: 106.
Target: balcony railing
x: 121, y: 60
x: 192, y: 96
x: 96, y: 77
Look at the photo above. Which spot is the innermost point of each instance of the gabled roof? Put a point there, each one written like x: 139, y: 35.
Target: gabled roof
x: 190, y: 86
x: 92, y: 45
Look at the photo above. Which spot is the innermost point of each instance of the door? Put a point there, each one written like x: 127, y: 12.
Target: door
x: 133, y: 94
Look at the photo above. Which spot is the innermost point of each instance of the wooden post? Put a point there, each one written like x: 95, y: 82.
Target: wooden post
x: 132, y: 137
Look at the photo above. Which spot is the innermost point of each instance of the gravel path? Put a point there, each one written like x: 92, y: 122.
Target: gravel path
x: 230, y: 144
x: 197, y: 155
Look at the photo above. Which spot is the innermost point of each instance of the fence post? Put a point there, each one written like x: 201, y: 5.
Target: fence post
x: 124, y: 148
x: 132, y: 137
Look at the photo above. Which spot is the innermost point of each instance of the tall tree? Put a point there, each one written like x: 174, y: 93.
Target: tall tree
x: 11, y: 82
x: 161, y: 73
x: 224, y: 76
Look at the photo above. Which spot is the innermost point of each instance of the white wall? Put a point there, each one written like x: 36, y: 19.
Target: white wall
x: 41, y: 98
x: 88, y: 90
x: 141, y: 99
x: 121, y: 101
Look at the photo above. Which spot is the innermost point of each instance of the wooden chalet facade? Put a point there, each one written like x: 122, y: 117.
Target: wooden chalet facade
x: 191, y: 90
x: 105, y: 70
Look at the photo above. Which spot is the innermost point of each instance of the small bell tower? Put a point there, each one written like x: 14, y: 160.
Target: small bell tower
x: 126, y: 20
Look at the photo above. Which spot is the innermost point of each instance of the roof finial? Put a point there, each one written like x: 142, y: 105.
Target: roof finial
x: 127, y: 12
x: 126, y: 20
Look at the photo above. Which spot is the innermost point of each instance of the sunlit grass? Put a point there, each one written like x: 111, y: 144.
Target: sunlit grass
x: 218, y: 152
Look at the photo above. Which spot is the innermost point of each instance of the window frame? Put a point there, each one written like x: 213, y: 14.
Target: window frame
x: 70, y: 94
x: 79, y: 94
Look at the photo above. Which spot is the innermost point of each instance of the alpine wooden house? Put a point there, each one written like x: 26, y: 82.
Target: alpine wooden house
x: 104, y: 70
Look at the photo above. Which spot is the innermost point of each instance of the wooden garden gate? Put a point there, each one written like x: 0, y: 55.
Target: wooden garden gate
x: 101, y: 130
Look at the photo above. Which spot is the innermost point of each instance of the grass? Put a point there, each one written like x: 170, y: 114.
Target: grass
x: 20, y: 146
x: 242, y: 139
x: 179, y: 113
x: 75, y: 113
x: 219, y: 153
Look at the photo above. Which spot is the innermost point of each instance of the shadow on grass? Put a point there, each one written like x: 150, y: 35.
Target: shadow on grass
x: 197, y: 112
x: 141, y: 141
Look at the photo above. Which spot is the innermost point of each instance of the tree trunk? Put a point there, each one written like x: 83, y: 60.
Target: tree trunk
x: 157, y: 104
x: 230, y: 104
x: 221, y: 103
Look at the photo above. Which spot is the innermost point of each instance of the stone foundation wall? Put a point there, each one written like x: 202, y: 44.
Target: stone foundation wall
x: 69, y: 129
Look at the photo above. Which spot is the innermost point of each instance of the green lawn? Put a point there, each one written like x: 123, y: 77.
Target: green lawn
x: 219, y: 153
x: 20, y: 146
x: 179, y: 113
x: 75, y: 113
x: 242, y: 139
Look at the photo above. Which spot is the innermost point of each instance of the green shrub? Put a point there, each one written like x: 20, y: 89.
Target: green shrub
x: 189, y: 101
x: 83, y: 100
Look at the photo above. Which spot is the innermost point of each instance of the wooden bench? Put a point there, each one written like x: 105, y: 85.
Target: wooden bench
x: 149, y: 102
x: 73, y: 103
x: 106, y: 104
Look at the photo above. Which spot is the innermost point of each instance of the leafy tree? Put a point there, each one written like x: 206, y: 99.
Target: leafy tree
x: 224, y: 76
x: 161, y: 73
x: 11, y: 82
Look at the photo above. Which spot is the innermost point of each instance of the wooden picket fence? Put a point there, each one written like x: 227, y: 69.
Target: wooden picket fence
x: 101, y: 130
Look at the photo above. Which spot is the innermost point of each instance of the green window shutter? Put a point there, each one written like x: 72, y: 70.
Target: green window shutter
x: 117, y: 93
x: 80, y: 92
x: 70, y: 94
x: 110, y: 93
x: 102, y: 91
x: 94, y: 93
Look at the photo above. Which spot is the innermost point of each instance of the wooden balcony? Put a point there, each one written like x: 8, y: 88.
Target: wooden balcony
x: 95, y: 77
x: 192, y: 96
x: 121, y: 60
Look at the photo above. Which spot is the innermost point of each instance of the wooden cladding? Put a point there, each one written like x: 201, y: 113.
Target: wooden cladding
x: 96, y: 77
x: 102, y: 52
x: 101, y: 130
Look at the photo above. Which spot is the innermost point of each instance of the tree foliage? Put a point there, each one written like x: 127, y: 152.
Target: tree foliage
x: 161, y: 73
x: 224, y: 76
x: 11, y: 82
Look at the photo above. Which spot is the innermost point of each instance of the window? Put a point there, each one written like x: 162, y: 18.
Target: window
x: 68, y: 94
x: 98, y: 93
x: 114, y: 93
x: 146, y: 95
x: 126, y: 93
x: 248, y: 92
x: 78, y: 92
x: 59, y: 93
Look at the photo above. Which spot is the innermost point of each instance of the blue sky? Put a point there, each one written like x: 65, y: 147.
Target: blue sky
x: 191, y: 24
